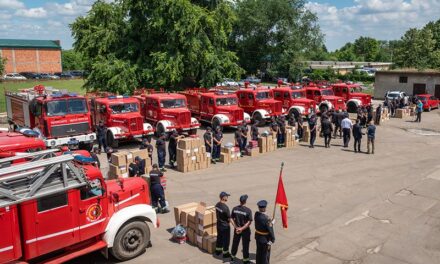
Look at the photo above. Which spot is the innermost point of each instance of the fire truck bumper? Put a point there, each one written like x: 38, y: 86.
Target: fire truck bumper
x: 192, y: 126
x: 88, y: 138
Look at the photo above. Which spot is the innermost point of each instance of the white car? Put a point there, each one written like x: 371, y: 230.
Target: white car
x: 398, y: 95
x: 228, y: 82
x: 13, y: 76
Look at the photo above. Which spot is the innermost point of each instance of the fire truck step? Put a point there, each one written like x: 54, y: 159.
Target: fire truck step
x: 77, y: 252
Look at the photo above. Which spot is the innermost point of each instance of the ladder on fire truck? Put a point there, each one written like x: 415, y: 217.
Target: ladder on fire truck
x: 32, y: 156
x: 42, y: 177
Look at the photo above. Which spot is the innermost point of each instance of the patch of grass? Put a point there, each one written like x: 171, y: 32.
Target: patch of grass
x: 75, y: 86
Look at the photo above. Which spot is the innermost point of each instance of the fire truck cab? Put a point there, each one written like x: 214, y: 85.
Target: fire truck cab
x: 55, y: 209
x: 353, y: 98
x: 218, y: 108
x: 325, y: 98
x: 57, y: 116
x: 14, y: 142
x: 259, y: 103
x: 295, y: 101
x: 122, y: 117
x: 168, y: 112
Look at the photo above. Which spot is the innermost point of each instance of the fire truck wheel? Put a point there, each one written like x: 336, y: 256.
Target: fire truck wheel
x: 352, y: 107
x: 294, y: 112
x: 258, y: 119
x: 86, y: 146
x: 111, y: 141
x: 131, y: 240
x: 193, y: 131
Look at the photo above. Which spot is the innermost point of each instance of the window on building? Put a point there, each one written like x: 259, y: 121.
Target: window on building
x: 403, y: 79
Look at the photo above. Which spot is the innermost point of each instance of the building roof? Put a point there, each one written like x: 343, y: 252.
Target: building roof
x: 411, y: 71
x: 30, y: 43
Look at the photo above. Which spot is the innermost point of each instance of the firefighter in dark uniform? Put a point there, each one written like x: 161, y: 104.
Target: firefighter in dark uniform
x: 223, y: 229
x: 217, y: 144
x: 264, y: 234
x: 300, y: 122
x: 101, y: 132
x: 146, y: 144
x: 172, y: 147
x: 157, y: 193
x: 239, y: 139
x: 207, y: 139
x: 244, y: 133
x: 133, y: 170
x: 161, y: 152
x: 241, y: 218
x: 140, y: 164
x: 254, y: 132
x: 281, y: 131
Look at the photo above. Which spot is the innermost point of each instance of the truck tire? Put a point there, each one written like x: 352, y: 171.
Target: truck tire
x: 215, y: 124
x: 352, y: 107
x: 131, y: 240
x: 258, y: 119
x: 323, y: 108
x: 111, y: 141
x: 294, y: 112
x: 86, y: 146
x: 160, y: 129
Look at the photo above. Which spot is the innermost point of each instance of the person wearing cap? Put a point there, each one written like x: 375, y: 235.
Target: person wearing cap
x: 241, y: 217
x: 146, y: 144
x: 264, y: 234
x: 217, y: 143
x: 172, y: 147
x: 94, y: 155
x: 161, y: 152
x: 157, y: 192
x: 312, y: 126
x: 223, y: 229
x: 207, y: 139
x: 101, y: 132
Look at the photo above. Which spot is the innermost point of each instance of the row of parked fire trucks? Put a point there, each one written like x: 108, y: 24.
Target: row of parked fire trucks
x: 60, y: 116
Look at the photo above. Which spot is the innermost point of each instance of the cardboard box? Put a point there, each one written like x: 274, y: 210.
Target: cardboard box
x: 185, y: 143
x: 142, y: 153
x: 130, y: 158
x: 199, y: 241
x: 262, y: 141
x: 119, y: 158
x: 191, y: 234
x: 209, y: 243
x: 205, y: 214
x: 225, y: 158
x: 184, y: 215
x: 178, y: 210
x: 206, y: 230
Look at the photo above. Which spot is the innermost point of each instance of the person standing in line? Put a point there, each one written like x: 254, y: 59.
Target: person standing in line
x: 378, y: 115
x: 101, y: 132
x: 327, y: 129
x: 419, y: 110
x: 357, y: 135
x: 312, y: 126
x: 238, y: 139
x: 254, y: 132
x: 161, y: 151
x: 172, y: 147
x: 371, y: 134
x: 146, y: 144
x: 264, y: 234
x: 217, y: 142
x: 339, y: 117
x: 300, y: 122
x: 223, y: 228
x: 207, y: 138
x: 244, y: 135
x: 347, y: 126
x: 241, y: 218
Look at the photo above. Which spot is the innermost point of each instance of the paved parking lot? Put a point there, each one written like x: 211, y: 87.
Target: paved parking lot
x: 343, y: 207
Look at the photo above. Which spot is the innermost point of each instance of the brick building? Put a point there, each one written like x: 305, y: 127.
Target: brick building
x: 22, y: 55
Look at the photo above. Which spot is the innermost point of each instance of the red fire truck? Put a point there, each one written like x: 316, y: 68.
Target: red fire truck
x: 353, y: 99
x: 57, y: 116
x: 259, y: 103
x: 168, y: 112
x: 325, y: 98
x: 55, y: 209
x: 122, y: 117
x: 295, y: 101
x: 218, y: 108
x: 13, y: 142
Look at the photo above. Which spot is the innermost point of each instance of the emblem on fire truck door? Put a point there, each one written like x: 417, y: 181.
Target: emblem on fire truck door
x: 94, y: 212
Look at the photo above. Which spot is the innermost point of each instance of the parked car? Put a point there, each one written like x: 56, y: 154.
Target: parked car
x: 13, y: 76
x: 49, y: 76
x: 429, y: 101
x: 227, y: 82
x: 65, y: 75
x: 252, y: 79
x: 398, y: 95
x: 77, y: 73
x: 31, y: 75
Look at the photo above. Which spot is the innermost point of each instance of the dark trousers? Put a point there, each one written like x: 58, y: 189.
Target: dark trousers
x: 377, y: 120
x: 102, y: 143
x: 157, y: 195
x: 370, y: 141
x: 161, y: 155
x: 312, y: 137
x: 241, y: 145
x: 346, y: 135
x: 244, y: 144
x: 172, y: 151
x: 337, y: 128
x: 300, y: 132
x: 245, y: 236
x: 280, y: 139
x: 223, y: 239
x: 419, y: 117
x: 216, y: 151
x: 263, y: 254
x: 357, y: 144
x: 327, y: 139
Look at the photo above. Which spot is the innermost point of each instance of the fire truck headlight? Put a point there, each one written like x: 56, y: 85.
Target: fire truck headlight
x: 92, y: 137
x: 53, y: 143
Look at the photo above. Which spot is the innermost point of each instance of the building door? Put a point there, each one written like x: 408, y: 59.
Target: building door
x: 437, y: 91
x: 419, y: 88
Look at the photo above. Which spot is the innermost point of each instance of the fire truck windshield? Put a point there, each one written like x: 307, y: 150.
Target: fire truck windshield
x: 172, y: 103
x: 263, y: 95
x: 226, y: 101
x: 124, y: 108
x: 296, y: 95
x: 327, y: 92
x: 67, y: 106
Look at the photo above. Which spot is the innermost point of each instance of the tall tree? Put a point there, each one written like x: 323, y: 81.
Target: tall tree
x: 366, y: 48
x: 132, y: 43
x: 273, y: 36
x: 72, y: 60
x: 2, y: 67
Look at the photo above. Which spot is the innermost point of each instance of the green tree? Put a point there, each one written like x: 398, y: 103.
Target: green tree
x: 416, y: 49
x: 72, y: 60
x: 366, y: 48
x: 2, y: 66
x: 130, y: 43
x: 273, y: 36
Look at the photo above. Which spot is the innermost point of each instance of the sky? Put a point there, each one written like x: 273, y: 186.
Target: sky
x: 341, y: 21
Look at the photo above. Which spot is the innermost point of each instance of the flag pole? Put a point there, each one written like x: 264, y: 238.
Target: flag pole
x: 275, y: 204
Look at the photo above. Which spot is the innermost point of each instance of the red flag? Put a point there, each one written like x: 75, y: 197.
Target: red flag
x: 281, y: 199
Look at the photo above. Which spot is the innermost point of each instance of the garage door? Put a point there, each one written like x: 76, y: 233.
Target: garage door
x: 419, y: 88
x: 437, y: 91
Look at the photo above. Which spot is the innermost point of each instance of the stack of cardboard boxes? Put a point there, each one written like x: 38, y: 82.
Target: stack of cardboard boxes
x: 403, y: 112
x: 229, y: 154
x: 200, y: 223
x: 191, y: 155
x: 252, y: 148
x: 267, y: 143
x: 122, y: 159
x: 306, y: 133
x: 289, y: 137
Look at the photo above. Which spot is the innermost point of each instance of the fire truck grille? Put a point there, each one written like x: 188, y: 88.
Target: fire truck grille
x: 184, y: 118
x: 70, y: 130
x: 136, y: 124
x: 238, y: 115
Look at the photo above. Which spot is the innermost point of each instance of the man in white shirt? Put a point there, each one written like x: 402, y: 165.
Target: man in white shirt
x: 346, y: 125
